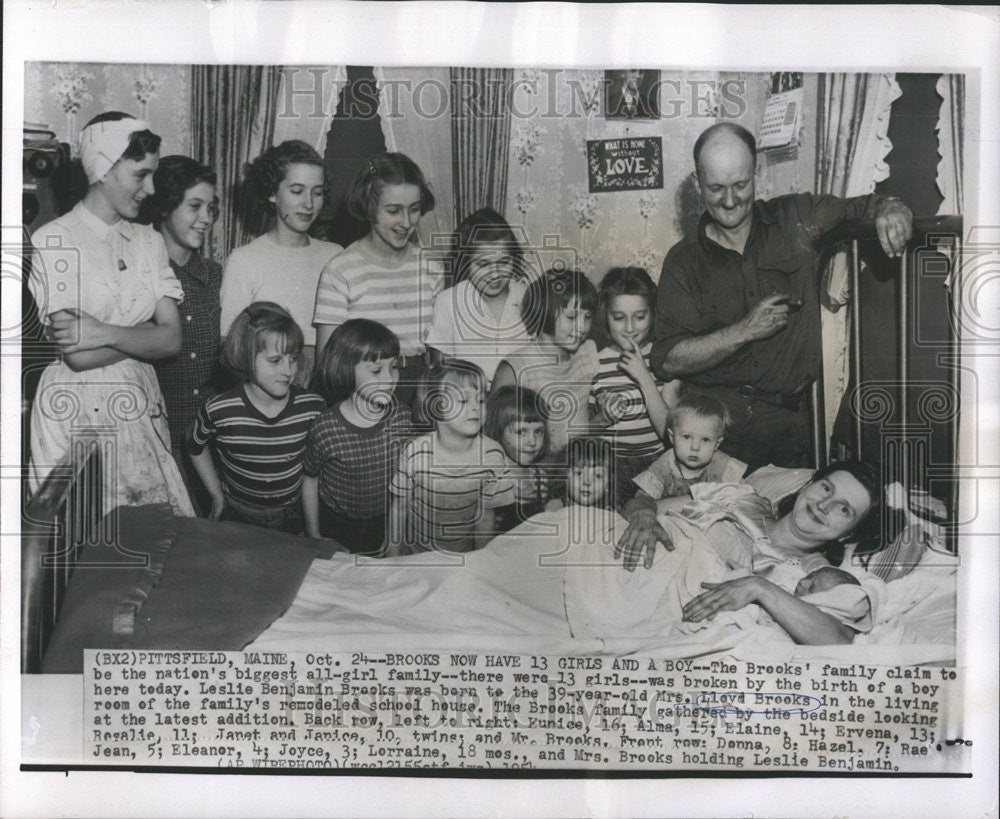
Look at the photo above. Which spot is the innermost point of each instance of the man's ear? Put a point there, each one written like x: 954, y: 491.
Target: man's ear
x: 695, y: 181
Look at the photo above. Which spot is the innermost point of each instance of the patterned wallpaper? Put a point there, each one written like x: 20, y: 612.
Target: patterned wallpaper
x: 557, y: 111
x: 65, y: 96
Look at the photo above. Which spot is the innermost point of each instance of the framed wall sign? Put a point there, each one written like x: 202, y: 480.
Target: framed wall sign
x: 631, y: 164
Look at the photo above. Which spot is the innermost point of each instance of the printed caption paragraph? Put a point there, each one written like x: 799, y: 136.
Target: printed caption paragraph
x: 430, y: 710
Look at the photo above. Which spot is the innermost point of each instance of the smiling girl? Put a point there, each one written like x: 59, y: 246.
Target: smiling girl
x: 561, y: 362
x: 108, y: 299
x: 479, y: 319
x: 626, y: 300
x: 183, y: 208
x: 284, y: 264
x: 383, y: 276
x: 354, y: 446
x: 449, y: 483
x: 258, y: 429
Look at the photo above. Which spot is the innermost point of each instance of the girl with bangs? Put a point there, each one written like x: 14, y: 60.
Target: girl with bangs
x: 258, y: 429
x: 561, y: 362
x: 354, y: 445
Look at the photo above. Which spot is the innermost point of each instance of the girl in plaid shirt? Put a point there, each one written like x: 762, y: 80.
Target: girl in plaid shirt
x: 354, y: 445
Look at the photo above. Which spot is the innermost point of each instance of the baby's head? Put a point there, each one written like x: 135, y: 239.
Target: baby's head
x: 516, y: 418
x: 823, y: 580
x: 697, y: 427
x: 590, y: 480
x: 451, y: 397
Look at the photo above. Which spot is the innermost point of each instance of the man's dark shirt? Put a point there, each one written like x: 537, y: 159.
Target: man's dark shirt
x: 704, y: 287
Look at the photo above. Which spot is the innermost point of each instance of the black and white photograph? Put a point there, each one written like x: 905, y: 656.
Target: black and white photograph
x: 632, y: 93
x: 382, y: 421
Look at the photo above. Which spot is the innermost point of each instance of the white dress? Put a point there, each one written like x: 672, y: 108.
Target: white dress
x: 116, y: 273
x: 464, y: 327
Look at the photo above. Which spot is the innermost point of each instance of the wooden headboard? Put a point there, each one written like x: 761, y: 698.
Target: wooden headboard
x: 59, y: 519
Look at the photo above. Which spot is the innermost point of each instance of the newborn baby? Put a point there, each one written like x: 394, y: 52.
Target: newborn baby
x: 823, y: 580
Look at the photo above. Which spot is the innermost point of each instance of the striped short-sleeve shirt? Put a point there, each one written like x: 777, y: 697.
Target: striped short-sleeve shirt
x: 446, y: 496
x: 355, y: 284
x: 260, y: 458
x: 633, y: 435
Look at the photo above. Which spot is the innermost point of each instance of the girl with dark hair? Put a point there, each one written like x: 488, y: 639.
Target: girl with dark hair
x: 383, y: 276
x: 516, y: 419
x: 479, y: 318
x: 182, y: 208
x: 354, y: 446
x: 284, y: 264
x: 625, y: 308
x: 108, y: 298
x: 561, y: 362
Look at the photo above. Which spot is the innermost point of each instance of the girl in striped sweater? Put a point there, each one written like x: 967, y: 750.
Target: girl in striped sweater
x: 384, y: 276
x: 259, y: 428
x: 625, y: 388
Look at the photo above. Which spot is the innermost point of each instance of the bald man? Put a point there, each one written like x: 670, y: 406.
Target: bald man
x: 737, y: 311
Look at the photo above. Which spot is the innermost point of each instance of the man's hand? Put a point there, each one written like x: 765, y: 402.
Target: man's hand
x: 894, y: 225
x: 640, y: 539
x: 768, y: 316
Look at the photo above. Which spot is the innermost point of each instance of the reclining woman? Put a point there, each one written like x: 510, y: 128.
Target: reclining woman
x: 550, y: 579
x: 808, y: 531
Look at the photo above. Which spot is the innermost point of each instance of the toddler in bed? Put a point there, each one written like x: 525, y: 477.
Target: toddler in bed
x: 696, y: 428
x: 450, y: 482
x: 516, y: 418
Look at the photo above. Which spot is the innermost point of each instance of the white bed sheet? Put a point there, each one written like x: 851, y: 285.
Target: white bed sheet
x: 528, y: 592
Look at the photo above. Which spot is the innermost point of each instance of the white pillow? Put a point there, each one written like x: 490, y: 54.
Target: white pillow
x: 777, y: 482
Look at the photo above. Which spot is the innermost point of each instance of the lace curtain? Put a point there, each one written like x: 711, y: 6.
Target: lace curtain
x: 950, y: 128
x: 415, y: 116
x: 307, y: 102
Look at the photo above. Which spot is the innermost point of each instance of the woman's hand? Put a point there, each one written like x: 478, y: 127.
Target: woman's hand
x: 640, y: 538
x: 728, y: 596
x: 76, y: 331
